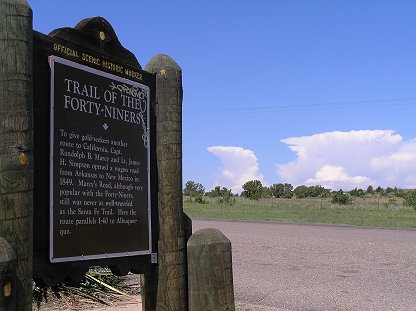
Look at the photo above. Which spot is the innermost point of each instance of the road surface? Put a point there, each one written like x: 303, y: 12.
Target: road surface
x: 319, y: 267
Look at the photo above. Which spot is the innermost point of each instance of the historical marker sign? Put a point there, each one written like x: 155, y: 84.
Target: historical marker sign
x: 99, y: 164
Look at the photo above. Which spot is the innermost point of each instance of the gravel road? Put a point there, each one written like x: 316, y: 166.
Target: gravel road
x: 319, y: 267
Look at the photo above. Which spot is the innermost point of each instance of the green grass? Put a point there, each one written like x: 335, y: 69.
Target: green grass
x: 360, y: 213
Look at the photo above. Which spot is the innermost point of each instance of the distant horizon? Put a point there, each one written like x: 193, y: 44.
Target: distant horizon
x: 294, y: 187
x: 300, y: 92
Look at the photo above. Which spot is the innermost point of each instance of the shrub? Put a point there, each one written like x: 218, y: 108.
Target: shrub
x: 224, y: 196
x: 357, y: 192
x: 410, y: 199
x: 199, y: 199
x: 341, y: 198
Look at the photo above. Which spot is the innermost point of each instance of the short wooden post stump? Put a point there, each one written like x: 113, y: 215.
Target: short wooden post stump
x: 210, y: 273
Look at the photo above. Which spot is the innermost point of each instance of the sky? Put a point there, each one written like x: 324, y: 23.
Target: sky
x: 297, y: 91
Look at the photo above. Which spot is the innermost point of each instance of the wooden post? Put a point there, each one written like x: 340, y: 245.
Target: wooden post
x: 8, y: 262
x: 172, y: 287
x: 210, y: 273
x: 16, y: 140
x: 148, y: 283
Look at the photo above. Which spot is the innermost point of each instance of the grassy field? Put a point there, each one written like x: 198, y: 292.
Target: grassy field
x: 372, y: 212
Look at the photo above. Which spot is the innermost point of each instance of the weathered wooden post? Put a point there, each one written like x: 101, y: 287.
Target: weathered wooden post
x: 16, y: 140
x: 8, y: 263
x: 210, y: 275
x: 171, y: 274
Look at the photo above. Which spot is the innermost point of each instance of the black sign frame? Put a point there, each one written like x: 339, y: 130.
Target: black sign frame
x: 60, y: 243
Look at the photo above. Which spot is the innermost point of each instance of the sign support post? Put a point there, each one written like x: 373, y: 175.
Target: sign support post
x: 16, y: 141
x: 172, y: 269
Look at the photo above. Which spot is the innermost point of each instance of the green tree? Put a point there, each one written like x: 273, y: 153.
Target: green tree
x: 341, y: 197
x: 401, y: 193
x: 370, y: 189
x: 379, y: 190
x: 317, y: 191
x: 281, y: 190
x: 288, y: 191
x: 277, y: 190
x: 253, y: 189
x: 216, y: 192
x: 357, y: 193
x: 389, y: 190
x: 224, y: 195
x: 194, y: 191
x: 192, y: 188
x: 301, y: 192
x: 266, y: 192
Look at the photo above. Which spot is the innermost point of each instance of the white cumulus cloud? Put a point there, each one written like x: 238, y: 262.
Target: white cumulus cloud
x: 398, y: 167
x: 351, y: 159
x: 336, y: 177
x: 238, y: 165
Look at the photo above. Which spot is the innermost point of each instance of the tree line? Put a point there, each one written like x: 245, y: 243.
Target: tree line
x: 255, y: 190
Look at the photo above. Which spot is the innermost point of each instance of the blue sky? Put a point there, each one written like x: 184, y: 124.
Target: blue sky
x: 306, y: 92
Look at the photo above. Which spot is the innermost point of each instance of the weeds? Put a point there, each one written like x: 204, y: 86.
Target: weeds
x: 99, y: 286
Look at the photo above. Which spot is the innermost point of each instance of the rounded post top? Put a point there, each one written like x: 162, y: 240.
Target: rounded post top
x: 160, y: 62
x: 19, y: 2
x: 207, y: 236
x: 22, y: 6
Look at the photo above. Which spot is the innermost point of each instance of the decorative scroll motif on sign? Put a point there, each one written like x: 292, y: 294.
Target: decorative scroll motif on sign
x: 141, y: 105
